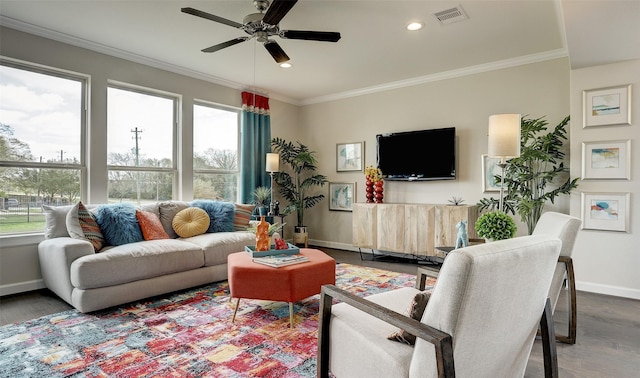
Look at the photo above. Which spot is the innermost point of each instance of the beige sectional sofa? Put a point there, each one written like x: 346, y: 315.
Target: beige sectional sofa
x: 90, y: 280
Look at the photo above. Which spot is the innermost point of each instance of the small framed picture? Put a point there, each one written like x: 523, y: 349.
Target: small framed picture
x: 342, y: 195
x: 490, y: 169
x: 606, y: 160
x: 349, y: 157
x: 605, y: 211
x: 607, y: 106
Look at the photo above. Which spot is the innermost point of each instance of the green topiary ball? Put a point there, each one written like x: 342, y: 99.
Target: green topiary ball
x: 496, y: 225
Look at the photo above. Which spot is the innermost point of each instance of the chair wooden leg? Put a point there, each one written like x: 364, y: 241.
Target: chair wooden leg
x: 326, y: 301
x: 573, y: 310
x: 549, y: 342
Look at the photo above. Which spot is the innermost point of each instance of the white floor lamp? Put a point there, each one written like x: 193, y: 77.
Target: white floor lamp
x: 273, y: 165
x: 504, y: 142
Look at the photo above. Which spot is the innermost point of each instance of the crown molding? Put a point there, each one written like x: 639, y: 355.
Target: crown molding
x: 472, y: 70
x: 100, y: 48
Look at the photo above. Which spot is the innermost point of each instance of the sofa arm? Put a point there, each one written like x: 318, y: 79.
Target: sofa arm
x: 442, y: 341
x: 56, y: 256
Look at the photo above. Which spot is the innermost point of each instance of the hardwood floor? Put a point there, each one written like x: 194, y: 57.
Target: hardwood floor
x: 608, y: 338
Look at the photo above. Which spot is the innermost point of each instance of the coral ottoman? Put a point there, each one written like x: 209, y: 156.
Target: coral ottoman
x: 290, y: 283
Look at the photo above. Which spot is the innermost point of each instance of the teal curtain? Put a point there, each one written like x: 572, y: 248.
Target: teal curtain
x: 255, y: 143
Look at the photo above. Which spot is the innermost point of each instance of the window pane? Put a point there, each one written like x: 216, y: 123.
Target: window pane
x: 21, y: 208
x: 215, y: 138
x: 139, y: 187
x: 216, y: 186
x: 40, y: 117
x: 139, y: 129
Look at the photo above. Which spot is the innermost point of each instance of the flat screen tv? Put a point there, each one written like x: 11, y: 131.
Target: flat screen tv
x: 418, y: 155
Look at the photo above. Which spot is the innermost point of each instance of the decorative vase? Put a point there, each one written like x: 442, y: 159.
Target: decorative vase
x: 262, y: 235
x: 378, y: 191
x: 369, y: 190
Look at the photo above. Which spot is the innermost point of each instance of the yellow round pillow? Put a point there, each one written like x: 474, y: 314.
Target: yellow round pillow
x: 190, y: 222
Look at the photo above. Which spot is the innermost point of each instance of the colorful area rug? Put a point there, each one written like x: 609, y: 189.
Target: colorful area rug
x: 186, y: 334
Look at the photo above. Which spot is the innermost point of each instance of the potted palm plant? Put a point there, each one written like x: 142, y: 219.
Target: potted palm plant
x: 538, y: 175
x: 297, y: 180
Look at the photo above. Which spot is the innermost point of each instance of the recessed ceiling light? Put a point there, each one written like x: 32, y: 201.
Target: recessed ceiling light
x: 286, y: 65
x: 414, y: 26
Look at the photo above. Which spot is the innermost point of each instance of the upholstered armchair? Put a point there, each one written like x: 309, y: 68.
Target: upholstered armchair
x: 480, y: 320
x: 565, y: 228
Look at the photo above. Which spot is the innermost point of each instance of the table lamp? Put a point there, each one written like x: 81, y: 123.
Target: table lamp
x: 504, y: 142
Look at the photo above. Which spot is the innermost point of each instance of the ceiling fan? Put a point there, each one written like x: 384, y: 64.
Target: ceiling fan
x: 264, y: 25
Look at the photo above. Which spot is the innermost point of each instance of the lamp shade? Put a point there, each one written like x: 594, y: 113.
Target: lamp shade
x: 273, y: 162
x: 504, y: 135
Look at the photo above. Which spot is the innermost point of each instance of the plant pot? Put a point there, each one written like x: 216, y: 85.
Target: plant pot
x: 301, y: 236
x: 262, y: 211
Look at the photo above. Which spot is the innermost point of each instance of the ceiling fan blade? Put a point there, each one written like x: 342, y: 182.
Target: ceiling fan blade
x: 211, y: 17
x: 277, y: 10
x: 223, y: 45
x: 311, y: 35
x: 276, y: 51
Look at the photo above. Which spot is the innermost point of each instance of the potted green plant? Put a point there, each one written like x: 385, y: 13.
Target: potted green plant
x: 262, y: 198
x: 495, y: 225
x: 297, y: 180
x: 538, y: 175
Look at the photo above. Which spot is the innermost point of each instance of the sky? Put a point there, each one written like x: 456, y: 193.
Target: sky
x: 44, y: 111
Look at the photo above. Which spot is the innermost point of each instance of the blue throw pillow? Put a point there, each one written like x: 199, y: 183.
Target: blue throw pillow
x: 221, y: 214
x: 118, y: 224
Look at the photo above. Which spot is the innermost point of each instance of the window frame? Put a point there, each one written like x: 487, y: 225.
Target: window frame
x: 177, y: 103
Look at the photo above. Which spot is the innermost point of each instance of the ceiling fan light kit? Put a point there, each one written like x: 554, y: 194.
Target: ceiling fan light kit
x: 262, y: 26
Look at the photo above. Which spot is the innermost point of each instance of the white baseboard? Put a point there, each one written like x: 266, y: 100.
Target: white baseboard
x: 616, y: 291
x: 21, y: 287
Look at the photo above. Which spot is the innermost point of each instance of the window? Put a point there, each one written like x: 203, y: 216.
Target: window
x: 215, y: 152
x: 140, y: 145
x: 42, y: 121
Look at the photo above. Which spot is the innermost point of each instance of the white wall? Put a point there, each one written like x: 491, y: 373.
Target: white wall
x: 466, y: 102
x: 19, y: 268
x: 607, y: 262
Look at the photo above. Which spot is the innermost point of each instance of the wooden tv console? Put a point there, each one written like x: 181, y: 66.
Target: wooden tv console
x: 412, y: 229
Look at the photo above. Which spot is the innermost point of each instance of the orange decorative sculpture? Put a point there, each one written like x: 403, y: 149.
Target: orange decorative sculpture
x: 262, y: 235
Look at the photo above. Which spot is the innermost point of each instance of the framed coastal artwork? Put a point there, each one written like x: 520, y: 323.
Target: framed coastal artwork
x: 342, y: 195
x: 606, y: 160
x: 605, y: 211
x: 490, y: 169
x: 349, y: 156
x: 607, y: 106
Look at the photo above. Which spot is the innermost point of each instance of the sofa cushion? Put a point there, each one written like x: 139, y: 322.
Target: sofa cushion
x: 134, y: 262
x: 168, y: 210
x: 150, y: 225
x: 118, y: 223
x: 221, y: 214
x: 55, y: 221
x: 217, y: 246
x: 190, y: 222
x: 242, y: 216
x: 81, y: 224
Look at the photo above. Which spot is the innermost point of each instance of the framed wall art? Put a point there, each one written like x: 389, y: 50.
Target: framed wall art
x: 349, y: 156
x: 490, y: 170
x: 605, y: 211
x: 606, y: 160
x: 607, y: 106
x: 342, y: 195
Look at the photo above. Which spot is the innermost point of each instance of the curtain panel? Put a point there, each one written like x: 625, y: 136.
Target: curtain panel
x: 255, y: 126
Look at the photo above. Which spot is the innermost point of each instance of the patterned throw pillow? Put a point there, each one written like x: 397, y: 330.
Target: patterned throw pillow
x: 221, y: 214
x: 150, y: 226
x: 242, y: 216
x: 190, y: 222
x: 415, y: 311
x: 118, y: 224
x: 81, y: 224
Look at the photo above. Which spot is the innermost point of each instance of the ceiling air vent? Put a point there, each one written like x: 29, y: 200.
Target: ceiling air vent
x: 451, y: 15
